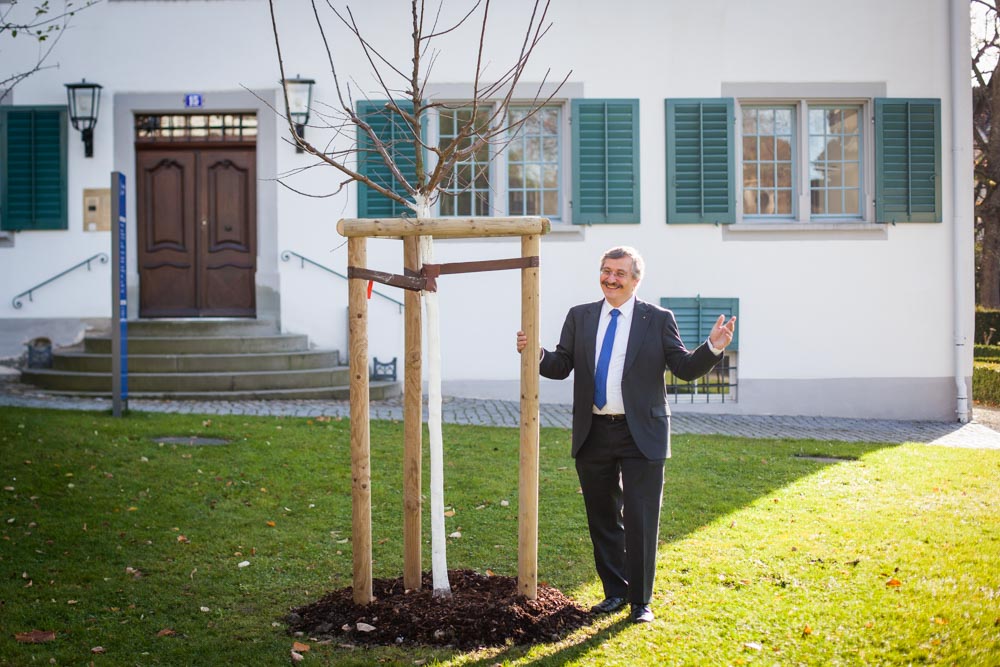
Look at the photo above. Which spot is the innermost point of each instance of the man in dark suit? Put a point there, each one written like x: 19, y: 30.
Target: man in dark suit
x: 620, y: 348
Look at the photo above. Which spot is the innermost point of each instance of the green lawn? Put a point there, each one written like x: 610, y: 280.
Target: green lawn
x: 884, y: 555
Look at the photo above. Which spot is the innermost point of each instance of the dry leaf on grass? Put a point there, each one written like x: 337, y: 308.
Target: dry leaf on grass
x: 35, y: 636
x: 300, y: 647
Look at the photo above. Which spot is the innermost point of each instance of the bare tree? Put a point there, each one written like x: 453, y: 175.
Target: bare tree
x: 483, y: 125
x: 38, y: 22
x: 986, y: 141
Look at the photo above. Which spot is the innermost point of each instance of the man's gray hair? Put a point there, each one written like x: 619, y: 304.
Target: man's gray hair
x: 638, y: 266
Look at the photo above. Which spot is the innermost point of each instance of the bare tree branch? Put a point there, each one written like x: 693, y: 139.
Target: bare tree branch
x: 485, y: 123
x: 309, y: 148
x: 41, y: 27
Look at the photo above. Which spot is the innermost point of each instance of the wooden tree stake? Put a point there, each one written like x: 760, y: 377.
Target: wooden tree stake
x: 412, y: 425
x: 527, y: 552
x: 361, y: 493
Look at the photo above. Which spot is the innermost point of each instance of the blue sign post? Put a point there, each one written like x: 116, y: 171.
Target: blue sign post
x: 119, y: 297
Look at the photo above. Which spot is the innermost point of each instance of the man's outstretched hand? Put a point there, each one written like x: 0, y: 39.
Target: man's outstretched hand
x: 722, y: 332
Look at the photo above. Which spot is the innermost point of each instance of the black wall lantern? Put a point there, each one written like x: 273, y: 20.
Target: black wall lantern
x: 84, y: 100
x: 300, y: 92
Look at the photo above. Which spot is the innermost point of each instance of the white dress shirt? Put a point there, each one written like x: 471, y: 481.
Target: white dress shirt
x: 615, y: 404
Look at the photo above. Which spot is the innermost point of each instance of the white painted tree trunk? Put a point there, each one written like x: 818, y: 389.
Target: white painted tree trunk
x: 432, y: 320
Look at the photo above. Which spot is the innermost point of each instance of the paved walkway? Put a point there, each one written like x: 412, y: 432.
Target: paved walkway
x: 506, y: 413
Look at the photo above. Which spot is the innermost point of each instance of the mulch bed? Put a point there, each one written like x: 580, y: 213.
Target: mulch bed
x: 481, y: 611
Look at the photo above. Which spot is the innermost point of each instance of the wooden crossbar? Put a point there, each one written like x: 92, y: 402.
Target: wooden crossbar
x: 426, y: 279
x: 442, y: 228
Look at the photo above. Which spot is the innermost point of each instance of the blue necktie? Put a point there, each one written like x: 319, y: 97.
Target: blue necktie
x: 603, y: 361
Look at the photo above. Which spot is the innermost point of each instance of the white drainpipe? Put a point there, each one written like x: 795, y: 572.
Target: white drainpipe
x: 961, y: 191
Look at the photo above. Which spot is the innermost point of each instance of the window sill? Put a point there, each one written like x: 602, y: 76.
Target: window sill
x: 805, y: 226
x: 810, y: 230
x: 565, y: 231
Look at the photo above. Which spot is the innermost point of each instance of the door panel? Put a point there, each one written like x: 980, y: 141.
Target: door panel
x: 197, y: 232
x: 227, y: 205
x: 165, y: 190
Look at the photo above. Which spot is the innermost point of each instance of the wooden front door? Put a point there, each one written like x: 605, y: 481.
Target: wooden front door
x: 197, y: 224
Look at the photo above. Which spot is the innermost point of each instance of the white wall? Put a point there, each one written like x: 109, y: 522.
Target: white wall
x: 815, y: 305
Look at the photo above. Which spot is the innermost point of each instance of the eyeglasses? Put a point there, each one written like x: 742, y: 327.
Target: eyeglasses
x: 619, y: 274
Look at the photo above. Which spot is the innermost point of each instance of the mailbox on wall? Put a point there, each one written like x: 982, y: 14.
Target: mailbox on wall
x: 97, y: 210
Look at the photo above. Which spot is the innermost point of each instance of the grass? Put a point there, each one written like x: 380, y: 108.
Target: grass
x: 871, y: 554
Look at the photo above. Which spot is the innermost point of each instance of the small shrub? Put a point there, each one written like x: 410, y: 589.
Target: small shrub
x: 986, y: 352
x: 987, y: 326
x: 986, y: 382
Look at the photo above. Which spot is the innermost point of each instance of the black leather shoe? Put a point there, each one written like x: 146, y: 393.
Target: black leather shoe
x: 608, y: 605
x: 641, y: 613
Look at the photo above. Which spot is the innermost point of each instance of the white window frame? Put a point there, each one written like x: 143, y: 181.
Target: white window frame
x: 801, y: 94
x: 524, y: 94
x: 498, y: 172
x: 802, y: 193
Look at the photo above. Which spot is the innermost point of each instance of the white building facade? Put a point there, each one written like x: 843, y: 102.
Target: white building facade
x: 803, y: 166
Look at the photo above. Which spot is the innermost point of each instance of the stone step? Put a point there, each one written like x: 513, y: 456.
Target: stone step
x: 178, y: 383
x: 204, y: 359
x: 202, y: 345
x: 377, y: 391
x: 85, y: 362
x: 200, y: 327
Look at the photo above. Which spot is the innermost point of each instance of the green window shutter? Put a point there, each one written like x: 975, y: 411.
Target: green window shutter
x: 396, y: 135
x: 701, y: 164
x: 33, y: 154
x: 907, y: 160
x: 697, y: 315
x: 605, y: 161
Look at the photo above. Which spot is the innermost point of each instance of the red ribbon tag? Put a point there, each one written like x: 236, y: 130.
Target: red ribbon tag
x: 370, y: 283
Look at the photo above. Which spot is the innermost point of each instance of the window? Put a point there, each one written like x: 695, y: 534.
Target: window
x: 33, y: 151
x: 230, y: 127
x: 468, y: 189
x: 525, y: 172
x: 803, y: 161
x: 768, y: 144
x: 525, y: 178
x: 771, y: 170
x: 695, y: 317
x: 835, y: 152
x: 533, y: 162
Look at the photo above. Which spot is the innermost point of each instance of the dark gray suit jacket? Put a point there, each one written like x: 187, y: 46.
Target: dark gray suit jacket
x: 654, y: 345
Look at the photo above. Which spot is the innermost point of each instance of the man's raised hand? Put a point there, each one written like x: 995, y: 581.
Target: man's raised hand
x: 722, y: 332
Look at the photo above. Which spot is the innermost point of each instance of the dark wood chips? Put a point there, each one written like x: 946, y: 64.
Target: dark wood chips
x: 481, y: 611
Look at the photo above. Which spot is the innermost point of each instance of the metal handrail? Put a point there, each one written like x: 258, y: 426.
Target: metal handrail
x: 16, y: 301
x: 286, y: 256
